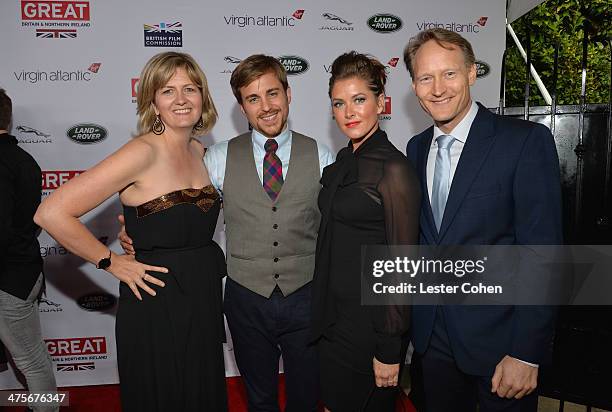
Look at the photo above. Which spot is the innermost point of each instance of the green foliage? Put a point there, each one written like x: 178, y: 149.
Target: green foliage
x: 562, y: 21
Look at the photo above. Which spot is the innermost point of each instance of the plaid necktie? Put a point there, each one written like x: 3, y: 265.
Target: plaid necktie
x: 272, y: 170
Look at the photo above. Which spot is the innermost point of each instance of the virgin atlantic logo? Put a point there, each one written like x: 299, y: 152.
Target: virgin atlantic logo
x: 35, y: 76
x: 456, y: 26
x: 269, y: 21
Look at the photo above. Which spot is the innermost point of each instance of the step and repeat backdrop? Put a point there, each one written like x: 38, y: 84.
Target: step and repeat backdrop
x: 72, y: 67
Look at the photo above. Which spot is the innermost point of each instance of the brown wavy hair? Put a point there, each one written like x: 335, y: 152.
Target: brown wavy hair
x: 362, y: 66
x: 156, y: 74
x: 252, y: 68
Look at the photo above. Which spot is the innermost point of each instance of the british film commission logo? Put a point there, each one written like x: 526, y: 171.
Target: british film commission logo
x: 336, y: 23
x: 458, y: 27
x: 59, y: 75
x: 294, y: 65
x: 55, y: 19
x: 482, y: 69
x: 27, y: 134
x: 97, y: 302
x: 77, y: 354
x: 163, y: 35
x: 385, y: 23
x: 52, y: 179
x: 247, y: 20
x: 86, y: 133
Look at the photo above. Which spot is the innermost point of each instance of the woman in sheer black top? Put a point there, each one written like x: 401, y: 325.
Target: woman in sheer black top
x: 370, y: 196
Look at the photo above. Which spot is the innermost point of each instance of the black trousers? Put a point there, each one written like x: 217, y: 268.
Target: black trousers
x: 264, y: 328
x: 447, y: 388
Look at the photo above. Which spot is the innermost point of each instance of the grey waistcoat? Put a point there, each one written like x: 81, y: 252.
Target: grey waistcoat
x: 271, y: 243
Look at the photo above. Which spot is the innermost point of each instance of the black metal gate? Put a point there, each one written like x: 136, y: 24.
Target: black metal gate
x: 582, y: 358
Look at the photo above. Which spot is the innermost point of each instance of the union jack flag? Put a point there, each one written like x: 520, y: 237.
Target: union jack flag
x: 56, y: 33
x: 71, y: 367
x: 175, y: 27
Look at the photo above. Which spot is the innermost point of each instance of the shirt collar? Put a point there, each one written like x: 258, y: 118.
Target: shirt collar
x: 259, y: 139
x: 462, y: 130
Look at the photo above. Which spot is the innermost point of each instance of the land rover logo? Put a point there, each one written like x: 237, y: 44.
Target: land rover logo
x: 97, y: 302
x: 482, y: 69
x: 86, y: 133
x: 294, y: 64
x: 384, y: 23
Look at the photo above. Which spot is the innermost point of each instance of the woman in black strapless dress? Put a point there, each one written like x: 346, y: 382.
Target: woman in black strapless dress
x: 169, y: 339
x: 370, y: 196
x: 169, y: 346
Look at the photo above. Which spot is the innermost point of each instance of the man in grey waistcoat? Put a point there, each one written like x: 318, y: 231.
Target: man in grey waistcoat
x: 269, y: 180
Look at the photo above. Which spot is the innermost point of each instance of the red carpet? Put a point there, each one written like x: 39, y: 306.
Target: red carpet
x: 105, y: 398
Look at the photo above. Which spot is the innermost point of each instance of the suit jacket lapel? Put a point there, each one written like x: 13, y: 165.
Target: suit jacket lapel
x: 474, y: 153
x: 428, y: 225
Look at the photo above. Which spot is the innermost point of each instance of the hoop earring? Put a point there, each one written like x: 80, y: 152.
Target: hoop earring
x: 158, y: 126
x: 199, y: 125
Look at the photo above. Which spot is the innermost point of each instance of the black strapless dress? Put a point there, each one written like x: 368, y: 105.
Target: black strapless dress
x: 170, y: 346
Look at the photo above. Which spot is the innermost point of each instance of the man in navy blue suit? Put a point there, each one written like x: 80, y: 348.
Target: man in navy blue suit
x: 486, y: 180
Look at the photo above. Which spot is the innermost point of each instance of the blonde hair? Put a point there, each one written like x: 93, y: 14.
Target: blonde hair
x: 444, y: 38
x: 156, y: 74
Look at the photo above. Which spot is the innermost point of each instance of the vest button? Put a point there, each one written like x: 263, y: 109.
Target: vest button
x: 275, y: 226
x: 274, y: 208
x: 276, y: 259
x: 275, y: 243
x: 276, y: 276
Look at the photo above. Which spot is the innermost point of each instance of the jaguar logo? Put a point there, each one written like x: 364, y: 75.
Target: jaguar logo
x: 232, y: 59
x: 333, y: 17
x: 27, y: 129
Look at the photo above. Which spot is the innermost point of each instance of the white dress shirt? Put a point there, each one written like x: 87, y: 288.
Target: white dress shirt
x: 460, y: 133
x: 216, y: 156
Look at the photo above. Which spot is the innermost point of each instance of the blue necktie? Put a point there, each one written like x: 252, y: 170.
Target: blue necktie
x: 441, y: 180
